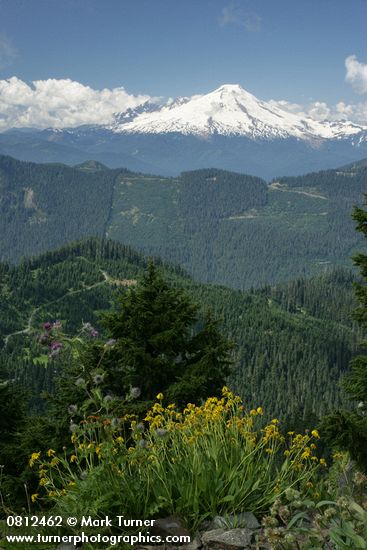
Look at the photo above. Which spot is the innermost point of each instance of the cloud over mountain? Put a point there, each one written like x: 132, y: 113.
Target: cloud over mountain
x: 60, y: 103
x: 356, y: 74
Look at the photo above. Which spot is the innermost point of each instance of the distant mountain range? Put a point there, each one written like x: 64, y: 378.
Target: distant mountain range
x: 228, y: 128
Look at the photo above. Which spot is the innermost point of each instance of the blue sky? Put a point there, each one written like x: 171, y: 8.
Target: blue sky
x: 293, y: 50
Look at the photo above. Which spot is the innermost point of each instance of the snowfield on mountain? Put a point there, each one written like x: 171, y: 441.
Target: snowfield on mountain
x: 230, y: 110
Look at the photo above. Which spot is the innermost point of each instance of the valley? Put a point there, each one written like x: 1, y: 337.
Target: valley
x: 293, y: 341
x: 220, y: 226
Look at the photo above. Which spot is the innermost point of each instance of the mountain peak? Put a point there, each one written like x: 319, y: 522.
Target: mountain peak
x: 231, y: 110
x: 229, y: 88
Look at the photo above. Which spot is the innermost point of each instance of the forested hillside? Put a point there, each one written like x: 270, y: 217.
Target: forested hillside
x: 222, y: 227
x: 293, y: 341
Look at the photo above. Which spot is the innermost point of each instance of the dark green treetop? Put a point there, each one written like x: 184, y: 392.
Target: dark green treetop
x: 157, y: 342
x: 347, y: 430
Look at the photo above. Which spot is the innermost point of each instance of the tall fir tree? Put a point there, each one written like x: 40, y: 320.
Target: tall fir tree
x: 157, y: 343
x: 347, y: 430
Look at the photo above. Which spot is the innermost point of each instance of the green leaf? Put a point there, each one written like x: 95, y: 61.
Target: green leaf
x: 293, y: 521
x: 228, y: 498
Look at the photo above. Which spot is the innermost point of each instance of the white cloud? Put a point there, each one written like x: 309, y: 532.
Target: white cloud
x: 356, y: 74
x: 7, y: 51
x: 60, y: 103
x: 233, y: 14
x: 319, y: 110
x: 295, y: 108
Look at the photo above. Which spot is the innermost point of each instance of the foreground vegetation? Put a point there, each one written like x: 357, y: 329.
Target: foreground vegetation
x: 141, y: 424
x: 208, y: 460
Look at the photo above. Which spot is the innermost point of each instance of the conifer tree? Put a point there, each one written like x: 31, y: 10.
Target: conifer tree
x: 12, y: 424
x: 157, y: 343
x: 347, y: 430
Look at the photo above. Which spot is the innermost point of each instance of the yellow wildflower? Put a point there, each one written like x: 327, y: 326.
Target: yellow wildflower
x: 51, y: 452
x: 34, y: 457
x: 306, y: 453
x: 73, y: 458
x: 259, y: 410
x: 316, y: 434
x: 322, y: 462
x: 43, y: 481
x: 34, y: 497
x: 159, y: 396
x: 54, y: 461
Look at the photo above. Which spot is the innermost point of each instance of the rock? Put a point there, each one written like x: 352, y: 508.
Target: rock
x: 195, y: 544
x: 234, y: 539
x: 245, y: 519
x: 169, y: 526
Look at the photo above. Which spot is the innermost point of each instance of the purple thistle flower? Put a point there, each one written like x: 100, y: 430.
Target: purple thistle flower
x: 47, y: 325
x: 56, y: 346
x: 93, y: 333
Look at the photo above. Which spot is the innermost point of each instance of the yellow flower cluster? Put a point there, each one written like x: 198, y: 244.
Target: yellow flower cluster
x: 271, y: 432
x: 171, y: 436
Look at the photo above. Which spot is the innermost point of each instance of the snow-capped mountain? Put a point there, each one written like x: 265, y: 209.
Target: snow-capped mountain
x: 229, y: 111
x: 132, y: 113
x: 228, y: 128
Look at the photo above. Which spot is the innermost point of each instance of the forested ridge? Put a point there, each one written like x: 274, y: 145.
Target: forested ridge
x: 220, y: 226
x: 293, y: 341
